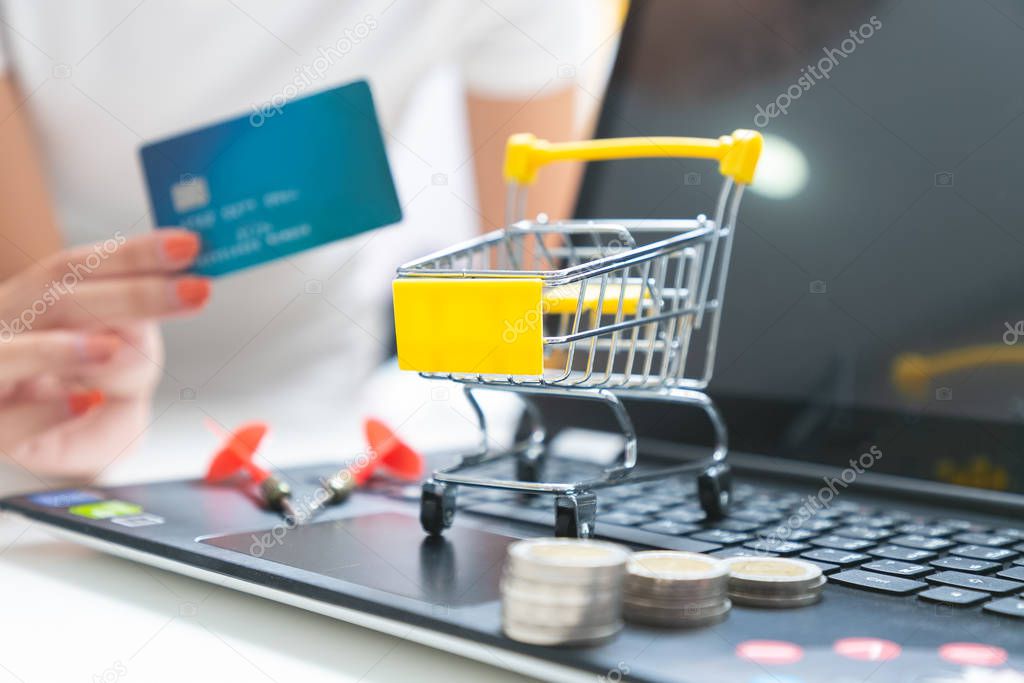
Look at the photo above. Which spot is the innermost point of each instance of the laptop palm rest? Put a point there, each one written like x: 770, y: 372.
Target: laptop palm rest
x: 377, y: 551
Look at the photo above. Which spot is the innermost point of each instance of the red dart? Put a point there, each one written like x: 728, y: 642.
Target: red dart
x: 238, y: 452
x: 388, y: 452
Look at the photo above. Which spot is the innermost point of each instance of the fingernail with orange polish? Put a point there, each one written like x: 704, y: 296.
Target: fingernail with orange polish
x: 179, y: 248
x: 193, y: 291
x: 82, y: 402
x: 98, y: 347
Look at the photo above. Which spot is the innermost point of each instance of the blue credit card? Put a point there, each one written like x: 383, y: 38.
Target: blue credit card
x: 260, y: 187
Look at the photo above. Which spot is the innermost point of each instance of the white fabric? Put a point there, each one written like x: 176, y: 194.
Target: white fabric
x: 104, y: 76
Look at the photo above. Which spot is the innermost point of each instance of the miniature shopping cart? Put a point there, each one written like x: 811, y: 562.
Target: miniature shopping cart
x: 595, y: 310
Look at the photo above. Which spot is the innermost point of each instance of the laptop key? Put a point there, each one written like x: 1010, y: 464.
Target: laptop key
x: 868, y: 520
x: 638, y: 507
x: 893, y: 585
x: 898, y: 552
x: 976, y: 582
x: 925, y: 530
x: 959, y: 597
x: 832, y: 556
x: 1007, y: 607
x: 965, y: 564
x: 983, y: 552
x: 972, y: 538
x: 637, y: 536
x: 765, y: 505
x: 682, y: 515
x: 735, y: 525
x: 864, y: 533
x: 623, y: 518
x: 663, y: 500
x: 960, y: 524
x: 897, y: 568
x: 840, y: 543
x: 1016, y: 533
x: 619, y: 493
x: 850, y: 508
x: 762, y: 517
x: 901, y: 517
x: 667, y: 526
x: 721, y: 537
x: 921, y: 542
x: 825, y: 567
x: 740, y: 551
x: 818, y: 524
x: 856, y: 519
x: 785, y: 533
x: 779, y: 547
x: 1013, y: 573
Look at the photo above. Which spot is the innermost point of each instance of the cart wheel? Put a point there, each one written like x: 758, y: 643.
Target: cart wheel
x: 575, y: 515
x: 437, y: 507
x: 714, y: 488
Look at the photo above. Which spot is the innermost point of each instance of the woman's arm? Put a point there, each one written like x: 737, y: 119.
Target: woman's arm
x: 28, y: 231
x: 491, y: 121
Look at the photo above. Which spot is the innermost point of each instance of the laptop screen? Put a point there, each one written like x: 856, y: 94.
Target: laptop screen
x: 876, y: 291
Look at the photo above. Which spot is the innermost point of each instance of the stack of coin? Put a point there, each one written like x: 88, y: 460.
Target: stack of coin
x: 774, y: 581
x: 562, y: 591
x: 675, y: 589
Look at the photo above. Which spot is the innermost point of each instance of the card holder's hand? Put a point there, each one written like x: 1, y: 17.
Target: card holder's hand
x: 114, y: 282
x: 80, y: 351
x: 79, y: 415
x: 37, y: 392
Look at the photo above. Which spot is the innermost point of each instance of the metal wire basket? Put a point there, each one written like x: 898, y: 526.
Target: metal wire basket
x: 594, y: 310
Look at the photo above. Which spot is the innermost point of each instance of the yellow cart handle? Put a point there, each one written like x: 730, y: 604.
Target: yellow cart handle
x: 737, y: 154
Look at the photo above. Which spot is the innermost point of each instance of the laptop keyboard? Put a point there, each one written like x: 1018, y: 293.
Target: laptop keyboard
x: 941, y: 560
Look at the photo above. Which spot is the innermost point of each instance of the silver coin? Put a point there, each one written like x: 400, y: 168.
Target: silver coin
x: 771, y: 569
x: 561, y: 594
x: 687, y: 616
x: 684, y: 613
x: 567, y: 559
x: 672, y: 567
x: 523, y: 592
x: 551, y: 616
x: 670, y: 583
x: 777, y: 589
x: 780, y: 602
x: 675, y: 589
x: 676, y: 594
x: 774, y: 582
x: 673, y: 583
x: 533, y: 634
x: 543, y: 576
x: 644, y: 602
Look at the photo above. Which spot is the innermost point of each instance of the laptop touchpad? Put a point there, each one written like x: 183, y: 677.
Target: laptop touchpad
x: 388, y: 552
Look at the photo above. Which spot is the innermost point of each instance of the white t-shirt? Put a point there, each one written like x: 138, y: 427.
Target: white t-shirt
x: 102, y: 77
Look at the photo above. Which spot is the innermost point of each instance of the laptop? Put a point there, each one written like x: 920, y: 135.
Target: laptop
x: 869, y: 369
